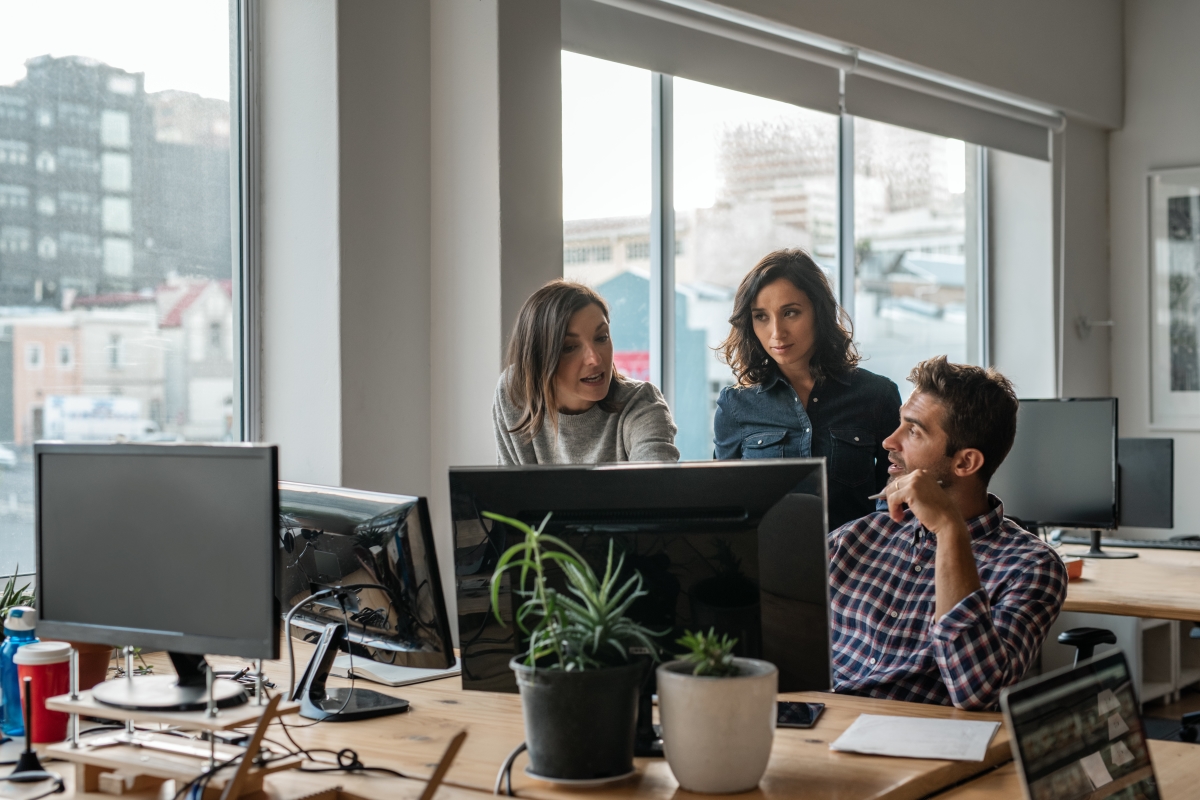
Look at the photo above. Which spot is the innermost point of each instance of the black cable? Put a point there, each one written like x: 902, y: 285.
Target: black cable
x: 287, y: 620
x: 506, y: 768
x: 347, y: 761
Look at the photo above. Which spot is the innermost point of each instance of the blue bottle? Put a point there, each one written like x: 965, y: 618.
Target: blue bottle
x: 18, y: 631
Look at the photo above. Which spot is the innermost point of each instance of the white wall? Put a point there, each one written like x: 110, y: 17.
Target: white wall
x: 1066, y: 53
x: 301, y: 361
x: 1162, y: 130
x: 1022, y: 273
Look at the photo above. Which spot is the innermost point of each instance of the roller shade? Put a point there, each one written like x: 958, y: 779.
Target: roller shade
x: 616, y: 34
x: 678, y: 38
x: 896, y: 105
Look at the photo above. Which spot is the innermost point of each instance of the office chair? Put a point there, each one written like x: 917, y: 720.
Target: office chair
x: 1084, y: 640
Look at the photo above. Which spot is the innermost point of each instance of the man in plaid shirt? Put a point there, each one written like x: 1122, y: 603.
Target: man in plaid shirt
x: 940, y: 599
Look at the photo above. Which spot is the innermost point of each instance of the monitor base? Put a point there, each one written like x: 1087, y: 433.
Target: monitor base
x: 347, y: 705
x: 1096, y: 552
x: 164, y: 693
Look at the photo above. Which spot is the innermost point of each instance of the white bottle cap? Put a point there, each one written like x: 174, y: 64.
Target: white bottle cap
x: 42, y: 653
x: 21, y: 618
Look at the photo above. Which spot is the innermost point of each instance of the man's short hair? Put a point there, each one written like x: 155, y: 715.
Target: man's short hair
x: 981, y: 408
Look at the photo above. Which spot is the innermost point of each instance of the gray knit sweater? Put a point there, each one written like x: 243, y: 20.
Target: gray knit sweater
x: 641, y: 431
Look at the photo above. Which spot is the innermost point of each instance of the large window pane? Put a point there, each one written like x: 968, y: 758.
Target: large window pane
x: 751, y: 176
x: 606, y: 196
x: 915, y: 269
x: 116, y: 252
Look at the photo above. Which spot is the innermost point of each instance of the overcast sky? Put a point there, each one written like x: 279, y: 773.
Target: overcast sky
x: 179, y: 44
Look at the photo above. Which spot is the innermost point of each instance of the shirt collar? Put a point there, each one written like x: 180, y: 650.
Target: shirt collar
x: 776, y: 377
x: 978, y: 527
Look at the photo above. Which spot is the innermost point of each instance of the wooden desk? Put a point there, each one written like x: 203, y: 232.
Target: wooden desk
x: 1161, y: 584
x: 1176, y: 764
x: 802, y: 765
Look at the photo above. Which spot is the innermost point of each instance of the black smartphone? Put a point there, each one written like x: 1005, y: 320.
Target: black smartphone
x: 798, y: 715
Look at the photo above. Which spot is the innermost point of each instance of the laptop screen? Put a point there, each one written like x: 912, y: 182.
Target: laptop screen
x: 1077, y: 732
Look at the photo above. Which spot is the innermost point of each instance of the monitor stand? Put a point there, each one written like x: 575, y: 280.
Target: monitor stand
x: 1096, y: 552
x: 338, y: 705
x: 186, y: 690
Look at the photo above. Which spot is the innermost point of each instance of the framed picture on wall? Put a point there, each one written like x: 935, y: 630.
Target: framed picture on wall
x: 1175, y: 298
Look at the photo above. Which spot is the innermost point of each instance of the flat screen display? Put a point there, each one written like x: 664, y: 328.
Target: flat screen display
x: 1078, y: 733
x: 736, y: 546
x: 159, y: 546
x: 1062, y: 469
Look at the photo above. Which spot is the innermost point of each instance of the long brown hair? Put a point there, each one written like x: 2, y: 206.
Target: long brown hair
x: 535, y: 348
x: 834, y: 333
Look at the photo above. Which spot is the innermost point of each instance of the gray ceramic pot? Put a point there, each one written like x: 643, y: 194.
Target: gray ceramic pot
x: 718, y: 732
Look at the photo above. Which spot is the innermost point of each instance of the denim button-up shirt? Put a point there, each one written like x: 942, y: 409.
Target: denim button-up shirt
x: 846, y: 421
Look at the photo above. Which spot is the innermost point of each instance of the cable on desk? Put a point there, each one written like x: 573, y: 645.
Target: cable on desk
x: 505, y: 773
x: 287, y: 620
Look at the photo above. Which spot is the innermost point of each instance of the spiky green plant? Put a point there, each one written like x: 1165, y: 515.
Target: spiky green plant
x: 583, y: 628
x: 709, y: 654
x: 11, y: 596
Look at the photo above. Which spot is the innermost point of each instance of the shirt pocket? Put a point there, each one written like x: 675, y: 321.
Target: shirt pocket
x: 851, y: 456
x: 764, y: 444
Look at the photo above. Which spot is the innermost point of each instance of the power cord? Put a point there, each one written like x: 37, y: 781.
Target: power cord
x: 504, y: 776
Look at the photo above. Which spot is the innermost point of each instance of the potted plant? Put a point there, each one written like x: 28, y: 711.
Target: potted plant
x: 579, y: 676
x: 718, y: 715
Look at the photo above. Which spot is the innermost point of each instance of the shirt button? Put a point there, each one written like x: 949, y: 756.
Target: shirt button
x: 872, y: 661
x: 917, y: 568
x: 856, y: 438
x: 808, y: 430
x: 760, y: 441
x: 895, y: 614
x: 813, y: 399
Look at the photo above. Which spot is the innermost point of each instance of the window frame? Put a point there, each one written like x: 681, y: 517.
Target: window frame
x: 662, y: 238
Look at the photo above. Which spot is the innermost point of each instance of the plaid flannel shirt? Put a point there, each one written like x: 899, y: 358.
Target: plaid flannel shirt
x: 886, y: 642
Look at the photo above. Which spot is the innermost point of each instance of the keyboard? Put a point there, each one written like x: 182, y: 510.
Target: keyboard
x: 1154, y: 544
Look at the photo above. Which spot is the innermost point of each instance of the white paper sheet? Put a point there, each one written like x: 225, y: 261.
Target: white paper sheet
x: 388, y: 674
x: 1116, y: 727
x: 1096, y: 770
x: 913, y: 737
x: 1107, y: 702
x: 1120, y: 754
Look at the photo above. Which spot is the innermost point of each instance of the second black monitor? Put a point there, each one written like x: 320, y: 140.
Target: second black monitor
x: 736, y: 546
x: 1062, y: 469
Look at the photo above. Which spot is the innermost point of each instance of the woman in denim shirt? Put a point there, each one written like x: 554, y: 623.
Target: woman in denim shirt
x: 800, y: 391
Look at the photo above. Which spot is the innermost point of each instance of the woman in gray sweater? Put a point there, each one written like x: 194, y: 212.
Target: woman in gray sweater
x: 561, y: 401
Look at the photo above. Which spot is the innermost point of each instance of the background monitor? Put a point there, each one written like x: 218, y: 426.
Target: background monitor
x: 1062, y: 469
x: 739, y: 546
x: 330, y: 536
x: 1147, y: 480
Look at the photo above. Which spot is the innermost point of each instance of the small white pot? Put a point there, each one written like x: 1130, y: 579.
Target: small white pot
x: 717, y: 732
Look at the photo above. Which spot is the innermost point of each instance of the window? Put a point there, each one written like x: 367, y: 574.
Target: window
x: 114, y: 352
x: 14, y: 153
x: 606, y: 196
x: 753, y: 175
x: 14, y: 196
x: 34, y: 356
x: 116, y: 172
x: 114, y: 128
x: 64, y: 357
x: 116, y: 214
x: 912, y: 262
x: 131, y: 233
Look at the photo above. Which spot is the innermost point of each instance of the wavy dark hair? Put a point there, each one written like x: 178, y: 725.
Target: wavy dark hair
x: 834, y: 333
x: 534, y: 350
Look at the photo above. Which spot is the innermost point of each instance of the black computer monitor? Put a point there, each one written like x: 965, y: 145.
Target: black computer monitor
x: 699, y: 533
x: 1062, y: 469
x: 168, y: 547
x: 329, y: 537
x: 1147, y: 479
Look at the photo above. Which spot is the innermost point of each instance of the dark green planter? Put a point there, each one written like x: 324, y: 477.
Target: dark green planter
x: 580, y: 725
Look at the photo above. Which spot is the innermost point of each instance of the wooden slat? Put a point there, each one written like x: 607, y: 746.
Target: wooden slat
x: 226, y: 719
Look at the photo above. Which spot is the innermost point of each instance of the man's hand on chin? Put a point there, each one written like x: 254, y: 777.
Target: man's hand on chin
x: 926, y: 498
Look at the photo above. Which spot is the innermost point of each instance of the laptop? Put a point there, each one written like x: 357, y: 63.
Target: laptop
x: 1077, y: 733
